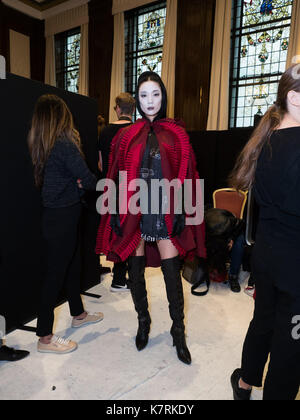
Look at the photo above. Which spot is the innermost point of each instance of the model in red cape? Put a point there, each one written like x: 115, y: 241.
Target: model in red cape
x: 154, y: 148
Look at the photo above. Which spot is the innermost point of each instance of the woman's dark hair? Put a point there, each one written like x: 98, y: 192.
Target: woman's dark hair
x: 52, y: 119
x: 154, y: 77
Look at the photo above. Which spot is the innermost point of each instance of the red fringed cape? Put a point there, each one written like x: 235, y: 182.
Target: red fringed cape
x: 178, y: 161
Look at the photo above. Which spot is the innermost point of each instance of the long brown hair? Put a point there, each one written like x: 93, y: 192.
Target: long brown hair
x: 243, y: 174
x: 51, y: 120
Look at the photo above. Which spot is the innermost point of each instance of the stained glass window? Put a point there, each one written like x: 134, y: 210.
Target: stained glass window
x: 260, y: 39
x: 144, y: 38
x: 67, y: 57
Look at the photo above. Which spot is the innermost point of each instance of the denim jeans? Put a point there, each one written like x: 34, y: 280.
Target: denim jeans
x: 236, y: 255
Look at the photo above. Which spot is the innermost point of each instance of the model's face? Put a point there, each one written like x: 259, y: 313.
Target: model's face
x: 150, y: 97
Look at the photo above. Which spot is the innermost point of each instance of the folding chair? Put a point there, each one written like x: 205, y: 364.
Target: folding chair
x: 231, y: 200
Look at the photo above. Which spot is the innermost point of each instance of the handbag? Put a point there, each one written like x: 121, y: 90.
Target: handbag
x: 195, y: 272
x: 221, y: 226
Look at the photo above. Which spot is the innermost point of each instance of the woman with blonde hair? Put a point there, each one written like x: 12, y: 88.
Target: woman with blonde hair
x: 60, y: 172
x: 270, y: 165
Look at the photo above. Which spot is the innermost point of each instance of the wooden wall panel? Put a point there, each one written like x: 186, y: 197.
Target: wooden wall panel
x: 26, y: 25
x: 101, y: 50
x: 193, y: 61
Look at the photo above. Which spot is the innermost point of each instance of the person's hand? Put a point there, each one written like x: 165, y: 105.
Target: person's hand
x: 178, y: 224
x: 115, y: 224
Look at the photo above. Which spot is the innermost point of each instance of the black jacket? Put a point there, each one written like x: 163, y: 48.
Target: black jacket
x: 277, y: 187
x: 63, y: 168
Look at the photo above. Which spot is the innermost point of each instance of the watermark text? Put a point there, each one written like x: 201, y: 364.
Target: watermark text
x: 2, y: 327
x: 152, y: 197
x: 2, y: 67
x: 296, y: 329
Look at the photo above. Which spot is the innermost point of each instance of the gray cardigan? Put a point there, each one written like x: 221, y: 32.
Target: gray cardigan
x: 63, y: 168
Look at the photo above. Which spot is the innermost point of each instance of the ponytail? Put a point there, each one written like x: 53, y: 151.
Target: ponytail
x: 243, y: 174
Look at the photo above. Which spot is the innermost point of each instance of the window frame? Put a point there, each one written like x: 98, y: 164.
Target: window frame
x: 236, y: 44
x: 61, y: 73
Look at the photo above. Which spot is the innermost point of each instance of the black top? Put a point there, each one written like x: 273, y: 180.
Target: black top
x: 63, y: 168
x: 105, y: 138
x: 153, y: 225
x: 277, y: 187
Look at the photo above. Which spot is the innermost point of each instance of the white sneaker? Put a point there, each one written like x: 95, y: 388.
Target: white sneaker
x: 58, y: 345
x: 118, y: 288
x: 91, y: 318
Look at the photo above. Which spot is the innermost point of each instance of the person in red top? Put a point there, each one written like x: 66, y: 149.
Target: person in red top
x: 160, y: 232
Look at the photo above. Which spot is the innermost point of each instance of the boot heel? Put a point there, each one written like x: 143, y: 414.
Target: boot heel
x: 183, y: 353
x: 142, y: 336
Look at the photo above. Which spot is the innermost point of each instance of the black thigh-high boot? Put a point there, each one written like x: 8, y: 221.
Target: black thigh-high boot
x: 137, y: 285
x: 171, y: 271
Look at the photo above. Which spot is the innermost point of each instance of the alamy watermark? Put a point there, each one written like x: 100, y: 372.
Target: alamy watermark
x: 2, y: 67
x: 134, y: 197
x: 2, y: 327
x: 296, y: 329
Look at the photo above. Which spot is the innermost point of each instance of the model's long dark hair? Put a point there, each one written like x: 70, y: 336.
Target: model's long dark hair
x: 51, y: 120
x: 243, y: 174
x: 154, y: 77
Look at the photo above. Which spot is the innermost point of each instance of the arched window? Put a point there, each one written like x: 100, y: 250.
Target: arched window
x: 260, y: 39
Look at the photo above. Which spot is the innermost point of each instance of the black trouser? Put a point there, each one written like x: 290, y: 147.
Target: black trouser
x: 60, y: 231
x: 272, y: 331
x: 119, y: 273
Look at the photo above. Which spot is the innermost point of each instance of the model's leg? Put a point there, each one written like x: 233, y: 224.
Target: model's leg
x: 171, y: 270
x: 137, y: 285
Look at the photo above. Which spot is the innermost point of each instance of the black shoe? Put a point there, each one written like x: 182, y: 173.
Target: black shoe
x: 239, y: 394
x: 234, y: 284
x: 8, y: 354
x: 119, y: 288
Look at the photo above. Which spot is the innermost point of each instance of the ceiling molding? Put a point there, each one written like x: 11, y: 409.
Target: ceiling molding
x: 42, y: 12
x: 23, y: 8
x: 42, y: 5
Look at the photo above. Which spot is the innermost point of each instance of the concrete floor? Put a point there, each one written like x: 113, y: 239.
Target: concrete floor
x: 107, y: 365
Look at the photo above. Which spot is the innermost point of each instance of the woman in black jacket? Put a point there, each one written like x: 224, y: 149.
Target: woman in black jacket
x: 62, y: 175
x: 270, y: 164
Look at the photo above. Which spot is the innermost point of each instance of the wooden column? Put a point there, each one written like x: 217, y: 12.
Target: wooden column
x: 193, y: 61
x: 101, y: 28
